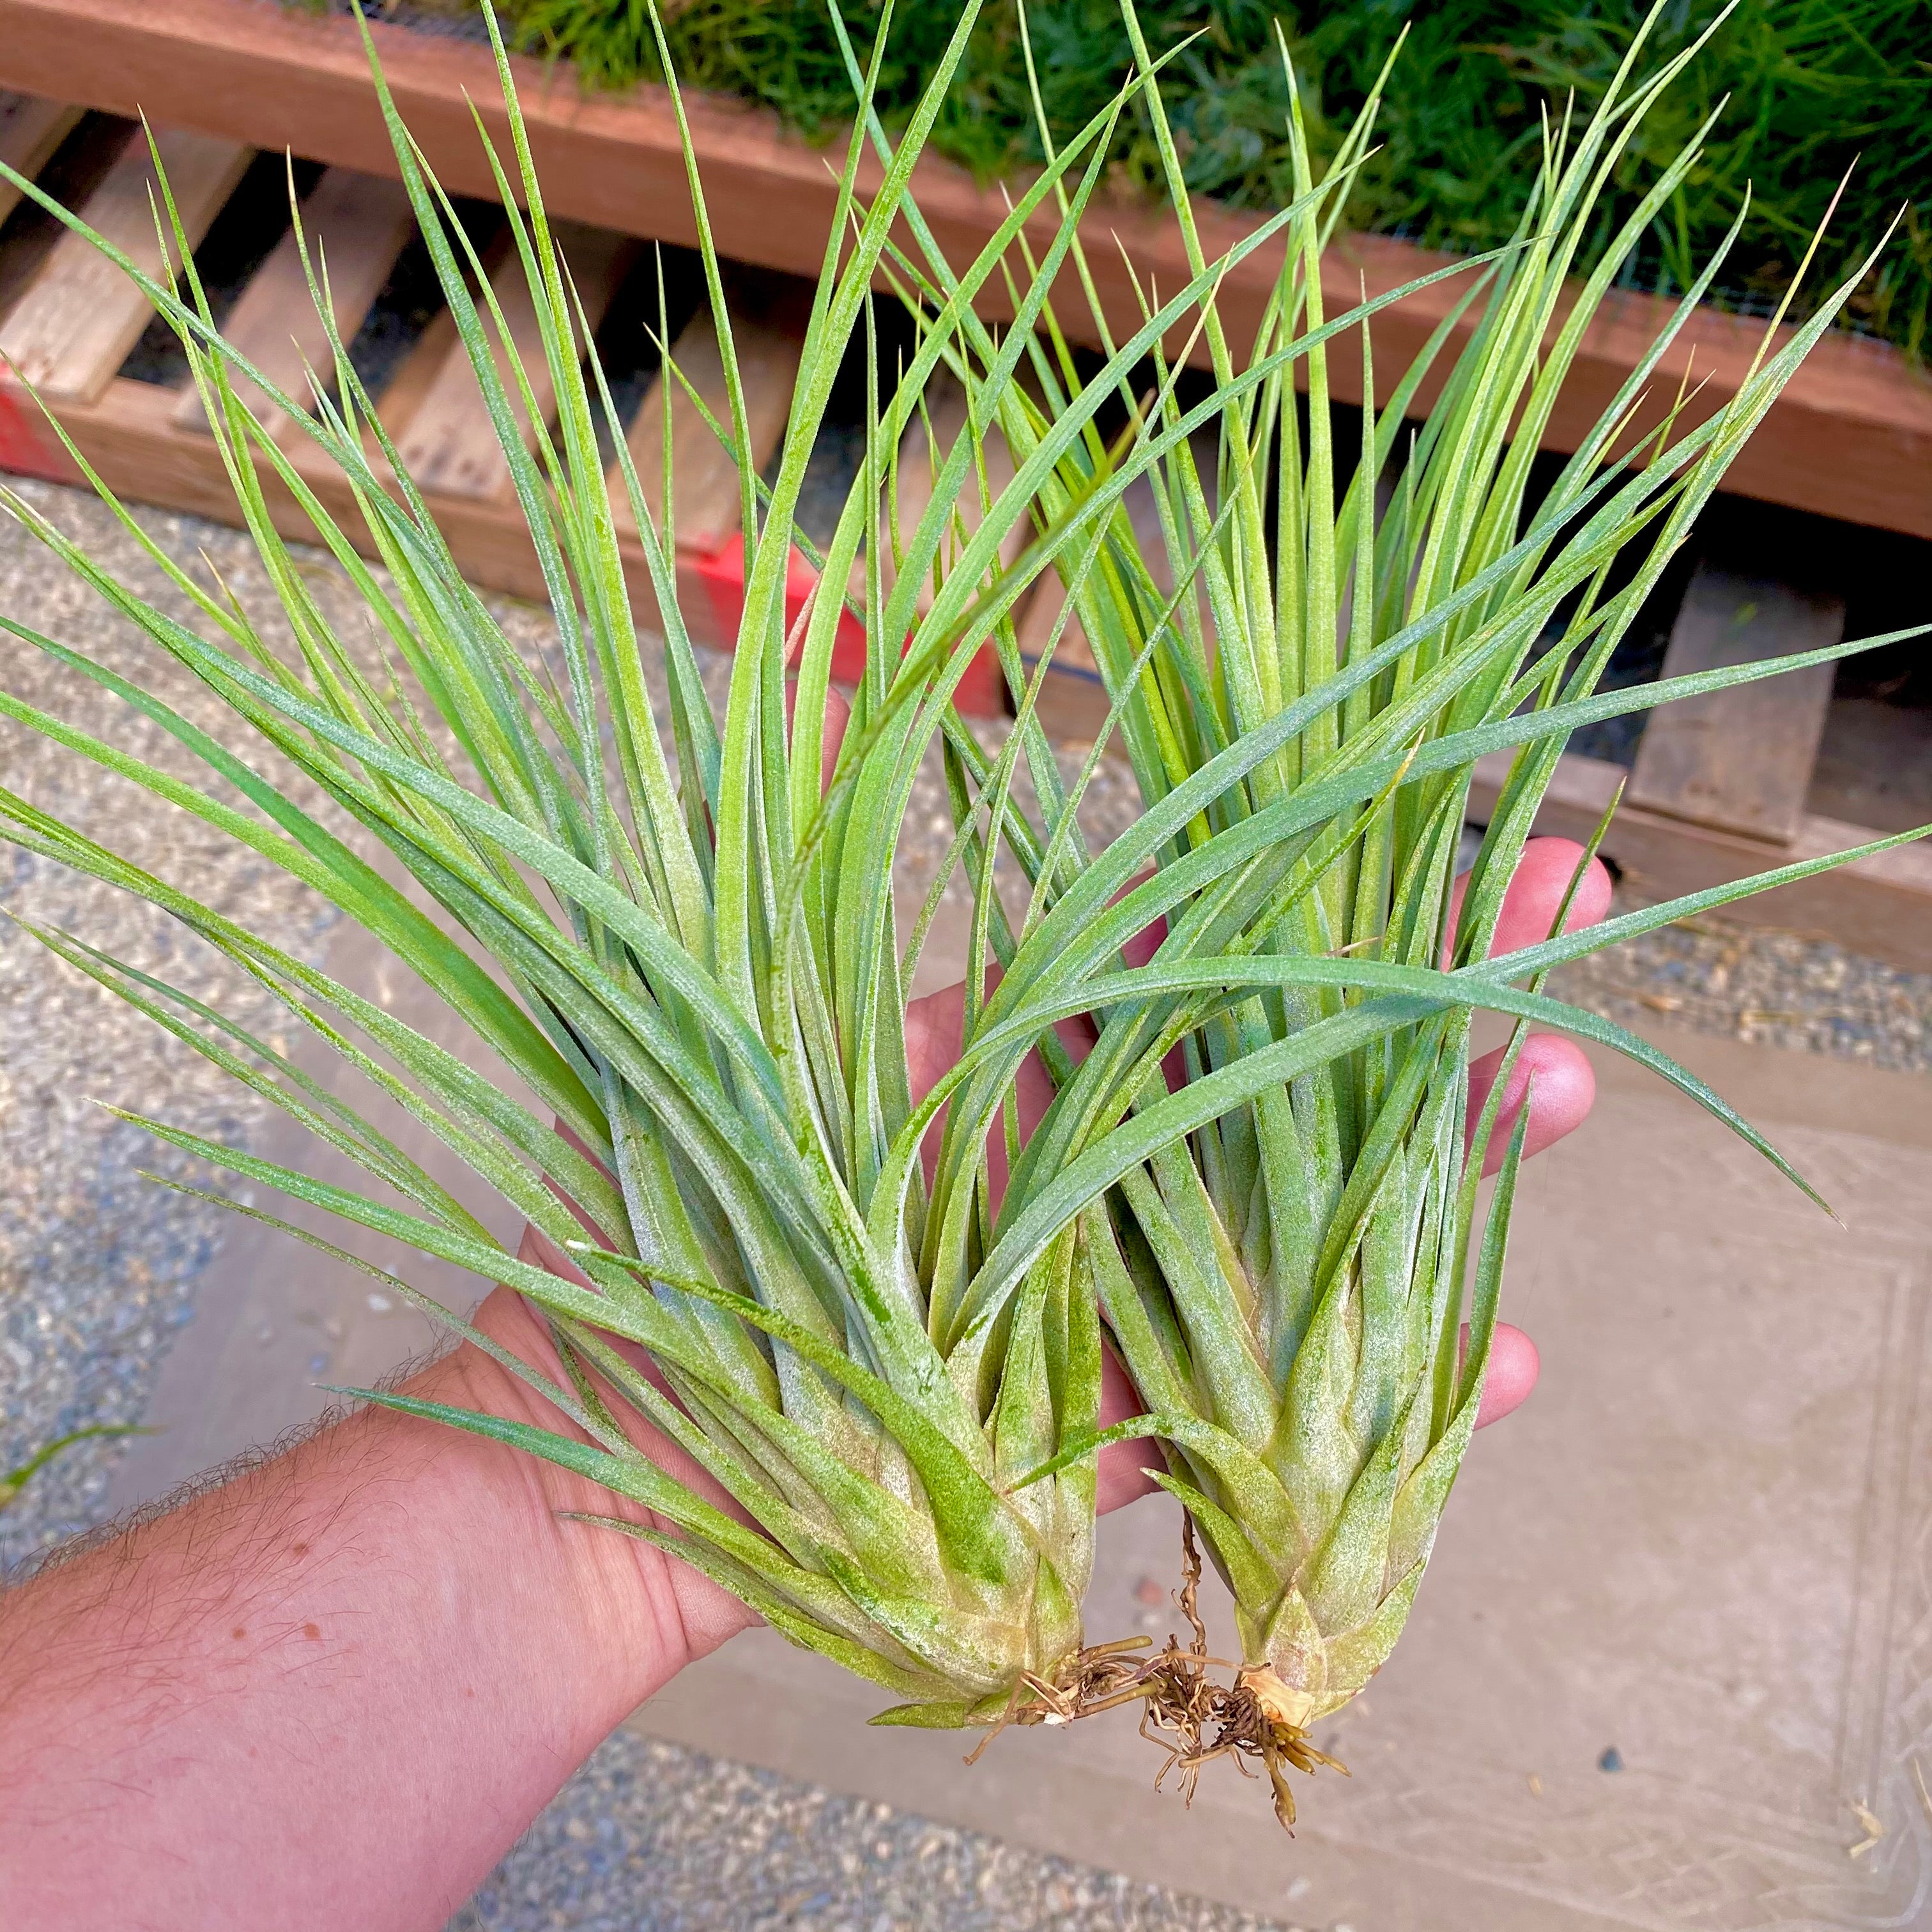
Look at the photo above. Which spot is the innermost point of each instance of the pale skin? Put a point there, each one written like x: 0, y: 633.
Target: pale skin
x: 334, y: 1690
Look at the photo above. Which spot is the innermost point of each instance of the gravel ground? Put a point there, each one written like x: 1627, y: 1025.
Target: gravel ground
x: 651, y: 1837
x: 97, y: 1265
x: 1753, y: 983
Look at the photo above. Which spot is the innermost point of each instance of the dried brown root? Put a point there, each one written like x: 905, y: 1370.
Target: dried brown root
x: 1193, y: 1718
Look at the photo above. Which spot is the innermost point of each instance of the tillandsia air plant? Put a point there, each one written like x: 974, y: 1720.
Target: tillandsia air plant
x: 681, y: 941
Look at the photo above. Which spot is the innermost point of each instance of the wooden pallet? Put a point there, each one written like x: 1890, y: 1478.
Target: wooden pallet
x: 74, y: 317
x: 1721, y: 785
x: 1851, y: 436
x: 1881, y: 906
x: 1720, y: 788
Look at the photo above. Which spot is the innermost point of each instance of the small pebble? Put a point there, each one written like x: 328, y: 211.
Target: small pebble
x: 1612, y: 1759
x: 1721, y: 976
x: 97, y: 1266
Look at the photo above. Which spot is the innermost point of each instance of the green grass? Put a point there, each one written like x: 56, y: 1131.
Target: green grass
x: 1813, y: 87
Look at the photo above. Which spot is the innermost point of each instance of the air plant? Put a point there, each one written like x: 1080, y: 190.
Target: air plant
x: 689, y: 957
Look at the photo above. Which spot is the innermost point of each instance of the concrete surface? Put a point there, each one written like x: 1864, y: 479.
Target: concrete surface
x: 1702, y: 1547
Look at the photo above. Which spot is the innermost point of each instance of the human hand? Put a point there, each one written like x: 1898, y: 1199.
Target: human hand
x: 396, y: 1606
x: 1564, y: 1088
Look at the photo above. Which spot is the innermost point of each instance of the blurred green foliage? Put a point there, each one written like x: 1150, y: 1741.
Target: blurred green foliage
x: 14, y: 1481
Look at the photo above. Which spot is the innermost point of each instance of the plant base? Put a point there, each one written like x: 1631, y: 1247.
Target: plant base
x: 1193, y: 1717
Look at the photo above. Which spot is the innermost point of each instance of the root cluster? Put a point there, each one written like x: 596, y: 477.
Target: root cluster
x: 1190, y: 1714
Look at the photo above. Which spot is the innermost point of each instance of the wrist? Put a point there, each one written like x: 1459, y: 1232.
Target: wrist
x: 381, y: 1653
x: 634, y: 1615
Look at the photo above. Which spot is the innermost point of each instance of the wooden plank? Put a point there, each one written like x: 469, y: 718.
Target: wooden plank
x: 1880, y: 906
x: 921, y: 458
x: 408, y: 388
x: 77, y: 168
x: 1741, y: 760
x: 355, y: 226
x: 31, y: 129
x: 450, y: 446
x: 73, y: 329
x: 924, y: 450
x: 130, y: 434
x: 1850, y: 437
x: 1073, y: 703
x: 767, y: 336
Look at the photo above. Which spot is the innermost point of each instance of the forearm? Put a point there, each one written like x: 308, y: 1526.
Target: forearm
x: 335, y: 1690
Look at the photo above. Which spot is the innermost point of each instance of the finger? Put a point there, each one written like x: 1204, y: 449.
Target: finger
x: 935, y: 1024
x: 1565, y: 1086
x: 1123, y: 1477
x: 1514, y: 1367
x: 536, y: 1249
x: 1542, y: 877
x: 837, y: 716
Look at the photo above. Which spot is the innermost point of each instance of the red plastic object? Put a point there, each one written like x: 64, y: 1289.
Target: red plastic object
x: 718, y: 577
x: 28, y: 447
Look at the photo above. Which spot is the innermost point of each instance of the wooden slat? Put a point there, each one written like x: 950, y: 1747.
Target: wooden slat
x: 922, y: 454
x: 355, y: 226
x: 73, y: 329
x: 1073, y: 702
x: 767, y: 338
x: 399, y: 402
x: 77, y: 167
x: 920, y: 461
x: 130, y: 434
x: 1881, y: 906
x: 449, y: 445
x: 1741, y: 760
x: 31, y: 129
